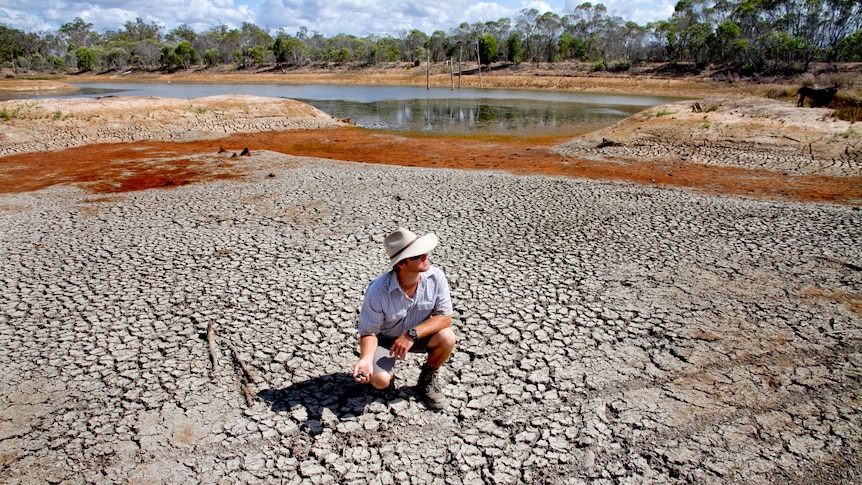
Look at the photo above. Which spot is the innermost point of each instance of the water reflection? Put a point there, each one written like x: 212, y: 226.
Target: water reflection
x: 491, y: 116
x: 416, y: 109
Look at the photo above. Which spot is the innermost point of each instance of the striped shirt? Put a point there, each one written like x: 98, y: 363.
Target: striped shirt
x: 388, y: 311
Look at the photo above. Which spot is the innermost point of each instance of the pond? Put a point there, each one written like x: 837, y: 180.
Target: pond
x: 417, y: 109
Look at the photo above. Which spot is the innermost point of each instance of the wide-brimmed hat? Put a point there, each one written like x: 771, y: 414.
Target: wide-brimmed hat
x: 403, y: 244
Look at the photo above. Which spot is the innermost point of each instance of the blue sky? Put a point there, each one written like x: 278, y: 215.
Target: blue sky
x: 329, y: 17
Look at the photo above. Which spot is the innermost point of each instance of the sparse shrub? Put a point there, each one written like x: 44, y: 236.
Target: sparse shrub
x: 847, y: 106
x: 599, y: 66
x: 807, y: 79
x: 781, y: 92
x: 622, y: 65
x: 19, y: 112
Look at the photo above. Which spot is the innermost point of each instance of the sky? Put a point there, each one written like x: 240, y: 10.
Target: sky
x: 328, y: 17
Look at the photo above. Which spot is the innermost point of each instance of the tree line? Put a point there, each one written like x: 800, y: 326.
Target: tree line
x: 745, y: 35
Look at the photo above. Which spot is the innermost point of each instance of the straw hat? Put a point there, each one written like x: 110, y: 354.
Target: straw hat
x: 403, y: 244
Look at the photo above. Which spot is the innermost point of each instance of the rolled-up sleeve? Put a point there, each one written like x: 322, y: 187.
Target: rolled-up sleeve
x: 371, y: 316
x: 443, y: 301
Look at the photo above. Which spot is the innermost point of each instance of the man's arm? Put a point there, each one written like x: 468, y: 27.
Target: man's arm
x: 365, y: 365
x: 431, y: 326
x: 434, y: 324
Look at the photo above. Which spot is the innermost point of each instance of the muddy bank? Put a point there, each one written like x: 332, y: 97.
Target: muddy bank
x: 749, y: 133
x: 744, y: 146
x: 50, y: 124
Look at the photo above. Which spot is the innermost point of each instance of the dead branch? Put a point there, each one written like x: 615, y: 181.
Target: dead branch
x: 239, y: 362
x: 213, y: 345
x: 249, y: 395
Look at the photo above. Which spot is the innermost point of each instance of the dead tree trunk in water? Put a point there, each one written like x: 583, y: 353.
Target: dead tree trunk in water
x: 479, y: 62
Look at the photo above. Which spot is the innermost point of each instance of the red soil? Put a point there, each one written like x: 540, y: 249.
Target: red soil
x: 111, y: 168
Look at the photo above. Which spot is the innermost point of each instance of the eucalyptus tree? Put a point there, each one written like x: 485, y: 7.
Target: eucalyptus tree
x: 254, y: 43
x: 180, y: 33
x: 515, y: 47
x: 840, y: 22
x: 689, y: 31
x: 78, y: 33
x: 140, y: 31
x: 438, y: 46
x: 10, y: 45
x: 385, y: 49
x: 587, y: 27
x: 549, y: 26
x: 500, y: 29
x: 525, y: 22
x: 342, y: 48
x: 488, y: 52
x: 412, y: 46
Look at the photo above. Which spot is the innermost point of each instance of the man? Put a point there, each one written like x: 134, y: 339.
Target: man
x: 407, y: 309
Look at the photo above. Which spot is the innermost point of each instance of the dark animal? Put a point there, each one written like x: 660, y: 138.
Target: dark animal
x: 819, y: 97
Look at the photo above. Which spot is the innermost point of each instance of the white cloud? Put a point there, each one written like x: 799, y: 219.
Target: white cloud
x: 330, y: 17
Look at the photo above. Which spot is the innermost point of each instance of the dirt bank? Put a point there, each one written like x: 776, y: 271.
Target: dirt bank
x: 649, y: 79
x: 731, y: 144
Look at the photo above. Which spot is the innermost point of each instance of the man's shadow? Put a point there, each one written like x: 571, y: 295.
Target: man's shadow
x: 338, y: 393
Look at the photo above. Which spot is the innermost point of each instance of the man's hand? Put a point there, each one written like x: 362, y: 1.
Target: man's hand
x: 401, y: 346
x: 362, y: 371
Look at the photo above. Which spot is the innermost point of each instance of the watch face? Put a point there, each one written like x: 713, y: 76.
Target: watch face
x: 412, y: 333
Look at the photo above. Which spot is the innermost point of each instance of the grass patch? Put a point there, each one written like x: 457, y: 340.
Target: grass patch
x: 21, y: 111
x: 711, y: 107
x: 665, y: 112
x: 847, y: 106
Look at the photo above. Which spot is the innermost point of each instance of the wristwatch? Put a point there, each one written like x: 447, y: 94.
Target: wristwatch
x: 412, y: 334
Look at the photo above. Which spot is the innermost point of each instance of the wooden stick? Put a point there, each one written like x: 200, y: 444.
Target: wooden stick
x: 249, y: 396
x: 236, y: 358
x: 213, y: 344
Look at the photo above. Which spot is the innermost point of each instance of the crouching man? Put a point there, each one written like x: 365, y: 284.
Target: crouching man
x: 407, y: 309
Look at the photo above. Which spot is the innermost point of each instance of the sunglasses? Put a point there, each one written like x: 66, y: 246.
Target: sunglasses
x: 417, y: 258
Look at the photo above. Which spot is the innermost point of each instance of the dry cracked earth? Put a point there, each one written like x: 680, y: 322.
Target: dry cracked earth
x: 609, y: 331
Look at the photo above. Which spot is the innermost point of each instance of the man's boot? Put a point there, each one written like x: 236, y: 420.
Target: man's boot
x: 430, y: 388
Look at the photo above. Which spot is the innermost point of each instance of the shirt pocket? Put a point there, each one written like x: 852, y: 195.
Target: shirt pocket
x: 425, y: 306
x: 396, y: 317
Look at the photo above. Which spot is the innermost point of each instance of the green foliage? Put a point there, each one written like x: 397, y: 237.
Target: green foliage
x: 515, y: 45
x: 168, y: 58
x: 21, y: 111
x: 748, y: 36
x: 211, y: 57
x: 850, y: 48
x: 572, y: 47
x: 622, y: 65
x: 186, y: 54
x: 86, y: 59
x: 488, y: 49
x: 10, y: 44
x: 279, y: 50
x: 118, y: 58
x: 256, y: 54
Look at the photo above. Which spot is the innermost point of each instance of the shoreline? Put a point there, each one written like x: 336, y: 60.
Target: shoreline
x: 739, y: 144
x: 564, y: 77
